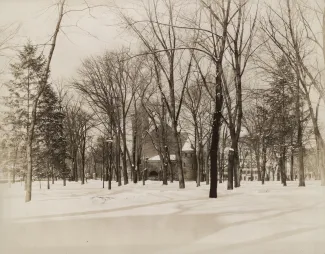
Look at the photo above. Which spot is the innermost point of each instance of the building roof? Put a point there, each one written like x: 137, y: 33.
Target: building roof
x: 157, y: 158
x: 187, y: 147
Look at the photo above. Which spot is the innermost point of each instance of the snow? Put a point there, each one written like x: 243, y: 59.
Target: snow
x: 187, y: 147
x: 157, y: 158
x: 163, y: 219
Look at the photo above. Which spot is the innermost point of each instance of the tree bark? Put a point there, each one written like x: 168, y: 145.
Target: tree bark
x: 52, y: 173
x: 125, y: 170
x: 165, y: 165
x: 179, y: 164
x: 258, y: 163
x: 207, y: 172
x: 231, y: 161
x: 118, y: 169
x: 282, y: 166
x: 263, y: 159
x: 301, y: 167
x: 215, y: 136
x: 134, y: 148
x: 83, y: 158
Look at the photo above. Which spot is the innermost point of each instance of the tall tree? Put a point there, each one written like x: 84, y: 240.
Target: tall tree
x: 161, y: 43
x: 43, y: 80
x: 289, y: 37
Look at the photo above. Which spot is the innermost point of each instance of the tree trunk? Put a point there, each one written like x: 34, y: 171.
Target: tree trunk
x: 198, y: 163
x: 48, y: 181
x: 138, y: 166
x: 231, y: 160
x: 107, y: 165
x: 144, y: 173
x: 263, y: 159
x: 52, y: 174
x: 163, y: 149
x: 103, y: 177
x: 164, y: 176
x: 207, y: 171
x: 134, y: 148
x: 320, y: 144
x: 171, y: 167
x: 110, y: 181
x: 299, y: 141
x: 251, y: 164
x: 291, y: 166
x: 83, y: 169
x: 301, y: 167
x: 110, y: 176
x: 179, y: 164
x: 291, y: 143
x: 197, y: 169
x: 222, y: 167
x: 236, y: 166
x: 125, y: 169
x: 165, y: 165
x: 219, y: 165
x: 224, y: 140
x: 110, y: 173
x: 282, y: 166
x: 118, y: 148
x: 258, y: 163
x: 30, y: 138
x: 215, y: 138
x: 14, y: 167
x: 201, y: 160
x: 43, y: 83
x: 75, y: 166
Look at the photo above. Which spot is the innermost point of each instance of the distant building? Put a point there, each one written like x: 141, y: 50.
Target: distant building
x: 154, y: 165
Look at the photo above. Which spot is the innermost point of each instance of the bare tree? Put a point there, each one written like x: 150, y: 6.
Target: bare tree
x: 289, y: 37
x: 162, y: 43
x: 197, y: 113
x: 110, y: 83
x: 7, y: 34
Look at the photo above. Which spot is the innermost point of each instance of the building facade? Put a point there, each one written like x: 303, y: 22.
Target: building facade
x: 153, y: 163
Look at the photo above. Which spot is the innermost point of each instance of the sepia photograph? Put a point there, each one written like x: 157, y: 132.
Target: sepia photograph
x: 162, y: 126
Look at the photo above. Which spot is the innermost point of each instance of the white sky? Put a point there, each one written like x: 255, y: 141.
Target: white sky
x: 37, y: 23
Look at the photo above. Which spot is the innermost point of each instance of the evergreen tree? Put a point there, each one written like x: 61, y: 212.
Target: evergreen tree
x: 27, y: 73
x: 281, y: 102
x: 50, y: 132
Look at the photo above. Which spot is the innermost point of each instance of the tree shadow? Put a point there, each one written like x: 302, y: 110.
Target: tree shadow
x: 146, y: 232
x: 92, y: 212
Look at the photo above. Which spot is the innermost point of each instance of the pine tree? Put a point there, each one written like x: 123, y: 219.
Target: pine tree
x: 281, y: 102
x: 50, y: 132
x: 27, y: 73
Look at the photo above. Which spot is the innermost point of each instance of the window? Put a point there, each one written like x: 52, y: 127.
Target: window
x: 184, y: 164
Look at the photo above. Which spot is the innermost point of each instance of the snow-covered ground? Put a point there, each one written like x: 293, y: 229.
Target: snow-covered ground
x: 163, y: 219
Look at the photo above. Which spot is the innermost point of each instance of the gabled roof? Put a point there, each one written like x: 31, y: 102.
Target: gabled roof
x: 187, y: 147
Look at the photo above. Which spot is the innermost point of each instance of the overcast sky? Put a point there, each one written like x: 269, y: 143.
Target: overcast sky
x: 37, y: 24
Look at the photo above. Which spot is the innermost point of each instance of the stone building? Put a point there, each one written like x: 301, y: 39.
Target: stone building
x: 154, y: 165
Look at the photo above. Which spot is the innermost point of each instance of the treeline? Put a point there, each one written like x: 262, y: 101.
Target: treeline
x: 194, y: 74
